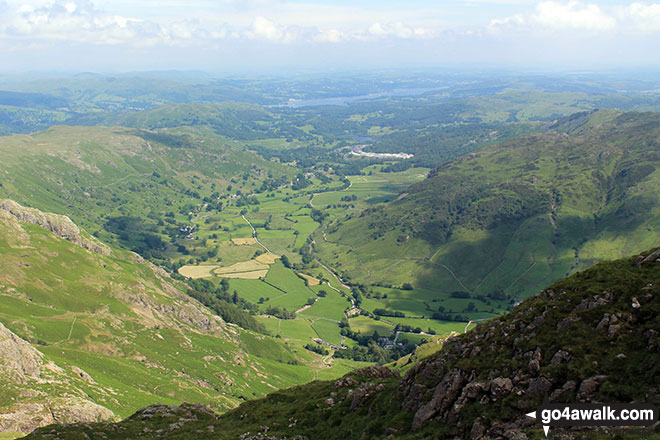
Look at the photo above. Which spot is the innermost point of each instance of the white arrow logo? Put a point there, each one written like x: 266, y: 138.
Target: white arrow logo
x: 546, y: 429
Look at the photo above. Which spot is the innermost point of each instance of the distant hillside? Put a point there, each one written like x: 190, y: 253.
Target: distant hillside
x: 88, y: 333
x: 233, y: 120
x: 593, y: 337
x: 108, y: 178
x: 513, y: 217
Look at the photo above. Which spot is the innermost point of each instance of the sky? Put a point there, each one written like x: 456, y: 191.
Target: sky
x: 264, y: 35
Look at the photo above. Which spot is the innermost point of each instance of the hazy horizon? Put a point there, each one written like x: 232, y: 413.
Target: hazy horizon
x: 279, y: 35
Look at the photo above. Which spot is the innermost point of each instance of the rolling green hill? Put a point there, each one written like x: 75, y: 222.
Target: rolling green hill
x: 510, y: 218
x: 113, y: 181
x: 89, y: 333
x: 592, y: 337
x: 233, y: 120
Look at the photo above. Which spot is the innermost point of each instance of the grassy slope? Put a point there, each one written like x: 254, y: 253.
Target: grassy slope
x: 130, y: 327
x: 336, y: 409
x: 89, y: 173
x: 515, y: 216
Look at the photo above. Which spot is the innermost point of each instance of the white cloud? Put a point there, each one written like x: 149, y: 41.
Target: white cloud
x: 553, y: 15
x: 643, y: 17
x: 283, y: 22
x: 496, y: 25
x: 557, y: 15
x: 398, y: 30
x: 76, y: 21
x: 265, y: 29
x: 573, y: 15
x: 177, y: 22
x: 331, y: 36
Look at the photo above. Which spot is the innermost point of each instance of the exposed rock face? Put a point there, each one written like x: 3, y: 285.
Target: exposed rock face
x: 25, y: 418
x: 83, y: 374
x: 18, y: 358
x: 653, y: 257
x: 60, y: 225
x: 504, y: 357
x: 376, y: 372
x: 187, y: 411
x: 28, y: 417
x: 34, y: 391
x: 22, y: 363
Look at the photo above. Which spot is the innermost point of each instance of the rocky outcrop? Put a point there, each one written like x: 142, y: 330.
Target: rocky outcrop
x: 375, y: 372
x: 184, y: 412
x: 59, y: 225
x: 18, y: 358
x: 22, y: 364
x: 30, y: 416
x: 608, y: 311
x: 652, y: 257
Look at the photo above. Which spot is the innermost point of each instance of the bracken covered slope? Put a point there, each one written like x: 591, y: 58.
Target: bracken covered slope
x: 592, y: 337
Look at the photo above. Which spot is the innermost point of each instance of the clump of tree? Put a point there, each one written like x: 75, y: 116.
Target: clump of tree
x: 317, y: 349
x: 454, y: 317
x: 279, y: 312
x: 385, y: 312
x: 460, y: 295
x: 228, y: 307
x: 285, y: 261
x: 247, y: 201
x: 407, y: 328
x: 137, y: 235
x: 370, y: 351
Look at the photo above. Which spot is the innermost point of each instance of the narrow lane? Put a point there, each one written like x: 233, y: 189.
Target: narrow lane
x: 254, y: 234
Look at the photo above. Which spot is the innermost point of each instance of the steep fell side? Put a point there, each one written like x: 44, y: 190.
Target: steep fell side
x: 88, y: 336
x: 592, y: 337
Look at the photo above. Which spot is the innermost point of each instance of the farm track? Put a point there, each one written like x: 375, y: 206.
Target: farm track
x: 308, y: 306
x: 531, y: 266
x: 319, y: 317
x: 339, y: 280
x: 124, y: 178
x: 254, y: 235
x: 508, y: 246
x: 311, y: 200
x: 453, y: 275
x: 73, y: 323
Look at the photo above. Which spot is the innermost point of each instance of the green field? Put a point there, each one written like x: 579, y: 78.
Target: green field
x: 327, y: 330
x: 367, y: 326
x: 332, y: 306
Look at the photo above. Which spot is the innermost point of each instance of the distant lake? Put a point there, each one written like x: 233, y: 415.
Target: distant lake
x: 345, y: 100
